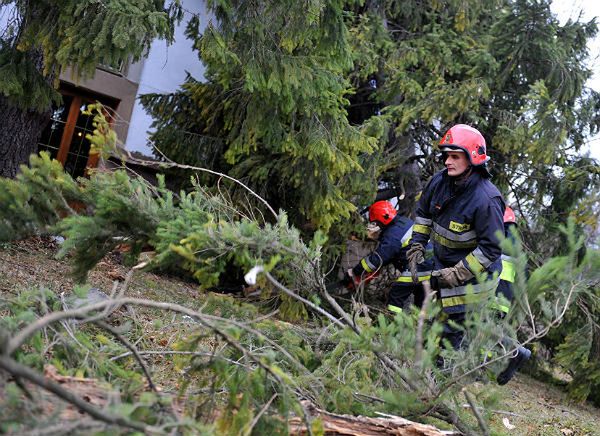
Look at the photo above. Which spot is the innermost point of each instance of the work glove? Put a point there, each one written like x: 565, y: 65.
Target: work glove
x: 415, y: 255
x: 451, y: 277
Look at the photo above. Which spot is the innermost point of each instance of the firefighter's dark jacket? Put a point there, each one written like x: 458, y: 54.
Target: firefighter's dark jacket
x: 394, y: 242
x: 463, y: 221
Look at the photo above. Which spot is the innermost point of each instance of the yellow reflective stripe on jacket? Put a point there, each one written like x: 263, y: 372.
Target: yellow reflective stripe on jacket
x: 407, y: 237
x: 419, y: 228
x: 453, y: 244
x: 423, y: 221
x: 367, y: 265
x: 466, y: 299
x: 404, y: 279
x: 508, y: 271
x: 482, y: 258
x: 452, y: 235
x: 474, y: 265
x: 469, y: 288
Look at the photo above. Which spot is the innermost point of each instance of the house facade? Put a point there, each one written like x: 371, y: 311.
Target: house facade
x: 118, y: 87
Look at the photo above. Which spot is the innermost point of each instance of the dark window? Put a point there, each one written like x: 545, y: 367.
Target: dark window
x: 79, y: 151
x: 52, y: 136
x: 65, y: 136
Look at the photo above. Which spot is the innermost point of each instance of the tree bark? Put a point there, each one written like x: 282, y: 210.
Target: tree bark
x: 348, y: 425
x: 19, y: 135
x: 21, y: 128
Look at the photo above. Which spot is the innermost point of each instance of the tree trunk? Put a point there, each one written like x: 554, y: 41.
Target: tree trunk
x: 348, y: 425
x: 21, y: 128
x: 19, y: 135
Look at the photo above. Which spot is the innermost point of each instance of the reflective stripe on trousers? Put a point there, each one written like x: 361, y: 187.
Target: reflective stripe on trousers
x: 508, y: 269
x: 498, y: 304
x: 455, y: 300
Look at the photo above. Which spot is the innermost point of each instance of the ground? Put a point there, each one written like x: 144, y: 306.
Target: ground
x: 533, y: 407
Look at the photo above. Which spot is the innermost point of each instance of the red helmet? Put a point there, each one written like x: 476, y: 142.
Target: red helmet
x: 382, y: 211
x: 467, y: 139
x: 509, y: 216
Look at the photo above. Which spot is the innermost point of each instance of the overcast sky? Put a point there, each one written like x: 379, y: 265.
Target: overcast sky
x: 586, y: 9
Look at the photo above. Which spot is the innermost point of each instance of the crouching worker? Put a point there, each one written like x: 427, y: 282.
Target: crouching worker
x: 393, y: 232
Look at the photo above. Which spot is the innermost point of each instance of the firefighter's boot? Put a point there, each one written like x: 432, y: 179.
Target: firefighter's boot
x: 523, y: 355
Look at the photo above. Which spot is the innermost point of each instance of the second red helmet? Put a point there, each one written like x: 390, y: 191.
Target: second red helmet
x: 382, y: 211
x: 467, y: 139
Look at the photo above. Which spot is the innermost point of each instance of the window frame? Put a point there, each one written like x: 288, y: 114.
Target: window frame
x: 80, y: 97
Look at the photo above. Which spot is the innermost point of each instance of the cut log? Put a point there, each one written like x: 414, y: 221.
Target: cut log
x: 346, y: 425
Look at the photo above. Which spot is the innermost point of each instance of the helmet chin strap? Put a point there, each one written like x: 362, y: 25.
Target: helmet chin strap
x: 465, y: 174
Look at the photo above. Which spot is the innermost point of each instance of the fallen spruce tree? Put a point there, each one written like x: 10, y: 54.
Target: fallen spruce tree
x: 257, y: 372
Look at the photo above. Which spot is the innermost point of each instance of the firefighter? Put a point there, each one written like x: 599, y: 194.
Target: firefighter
x: 394, y: 235
x: 461, y: 211
x: 505, y: 296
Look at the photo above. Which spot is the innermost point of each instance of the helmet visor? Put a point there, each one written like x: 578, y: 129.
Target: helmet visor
x: 447, y: 148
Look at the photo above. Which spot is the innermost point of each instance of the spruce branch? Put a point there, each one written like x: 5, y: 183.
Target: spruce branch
x: 176, y: 352
x: 203, y: 319
x: 248, y: 430
x: 480, y: 420
x: 81, y: 425
x: 310, y: 304
x: 172, y: 164
x: 132, y: 350
x: 16, y: 369
x: 389, y: 363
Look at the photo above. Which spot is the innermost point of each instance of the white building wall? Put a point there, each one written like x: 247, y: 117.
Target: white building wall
x: 164, y: 70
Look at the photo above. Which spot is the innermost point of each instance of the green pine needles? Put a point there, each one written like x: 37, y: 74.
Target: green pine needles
x: 274, y: 106
x: 75, y: 34
x: 319, y: 104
